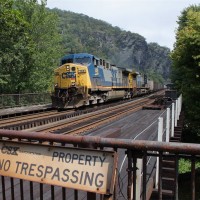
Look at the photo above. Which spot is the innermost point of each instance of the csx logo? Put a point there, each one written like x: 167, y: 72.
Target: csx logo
x: 9, y: 150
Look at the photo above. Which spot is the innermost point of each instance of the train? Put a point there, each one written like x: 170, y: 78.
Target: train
x: 83, y: 79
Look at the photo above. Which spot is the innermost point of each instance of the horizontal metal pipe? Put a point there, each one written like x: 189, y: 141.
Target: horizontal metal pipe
x: 93, y: 141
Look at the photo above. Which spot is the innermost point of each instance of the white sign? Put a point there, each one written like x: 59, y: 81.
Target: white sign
x: 82, y: 169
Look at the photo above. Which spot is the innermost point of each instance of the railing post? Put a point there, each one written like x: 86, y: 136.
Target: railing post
x: 172, y: 128
x: 176, y: 177
x: 3, y: 188
x: 135, y: 179
x: 179, y: 106
x: 193, y: 178
x: 160, y: 134
x: 138, y: 178
x: 160, y: 129
x: 130, y: 177
x: 167, y: 124
x: 144, y: 167
x: 181, y: 100
x: 160, y: 177
x: 176, y: 113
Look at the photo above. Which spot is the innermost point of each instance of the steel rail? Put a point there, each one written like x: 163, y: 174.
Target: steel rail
x: 28, y: 117
x: 26, y: 124
x: 102, y: 121
x: 97, y: 117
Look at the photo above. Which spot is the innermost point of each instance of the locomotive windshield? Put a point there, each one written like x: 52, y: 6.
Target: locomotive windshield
x: 69, y: 60
x: 85, y: 60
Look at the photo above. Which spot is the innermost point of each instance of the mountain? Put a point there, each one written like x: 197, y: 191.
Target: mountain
x: 123, y: 48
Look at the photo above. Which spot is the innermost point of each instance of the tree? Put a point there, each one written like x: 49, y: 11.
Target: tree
x: 13, y: 45
x: 186, y: 64
x: 30, y: 47
x: 44, y: 36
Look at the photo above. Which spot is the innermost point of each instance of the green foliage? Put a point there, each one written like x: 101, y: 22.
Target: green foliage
x: 29, y: 46
x: 186, y: 63
x: 123, y: 48
x: 155, y: 76
x: 33, y: 38
x: 185, y: 165
x: 14, y: 100
x: 13, y: 42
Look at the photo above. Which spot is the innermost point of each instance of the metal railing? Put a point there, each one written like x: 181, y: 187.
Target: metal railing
x: 129, y: 185
x: 17, y: 100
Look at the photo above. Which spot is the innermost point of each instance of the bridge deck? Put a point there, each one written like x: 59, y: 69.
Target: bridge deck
x: 140, y: 125
x: 22, y: 110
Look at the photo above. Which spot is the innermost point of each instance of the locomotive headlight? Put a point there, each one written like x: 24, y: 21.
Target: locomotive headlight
x: 67, y: 67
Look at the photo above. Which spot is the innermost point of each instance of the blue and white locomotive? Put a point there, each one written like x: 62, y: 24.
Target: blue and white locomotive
x: 83, y: 79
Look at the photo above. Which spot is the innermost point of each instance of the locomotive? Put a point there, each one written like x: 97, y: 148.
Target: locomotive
x: 84, y: 79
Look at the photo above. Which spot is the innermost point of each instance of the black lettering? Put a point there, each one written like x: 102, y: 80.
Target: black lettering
x: 24, y: 168
x: 61, y: 155
x: 9, y: 150
x: 48, y: 170
x: 102, y: 160
x: 40, y: 170
x: 5, y: 165
x: 4, y: 149
x: 15, y: 150
x: 18, y: 163
x: 81, y: 178
x: 74, y: 157
x: 31, y: 169
x: 95, y: 157
x: 90, y: 179
x: 68, y: 157
x: 98, y: 182
x: 56, y: 174
x: 74, y: 176
x: 1, y: 164
x: 81, y: 159
x: 88, y: 159
x: 55, y: 155
x: 66, y: 175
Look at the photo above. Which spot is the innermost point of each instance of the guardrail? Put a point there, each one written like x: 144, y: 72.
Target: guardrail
x: 17, y: 100
x: 137, y: 152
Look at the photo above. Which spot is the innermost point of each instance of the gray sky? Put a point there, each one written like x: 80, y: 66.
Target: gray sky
x: 153, y: 19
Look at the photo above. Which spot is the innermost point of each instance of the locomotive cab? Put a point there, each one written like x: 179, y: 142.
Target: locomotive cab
x: 69, y: 89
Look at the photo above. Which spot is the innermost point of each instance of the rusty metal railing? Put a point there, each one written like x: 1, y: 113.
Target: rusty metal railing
x: 136, y: 150
x: 27, y: 99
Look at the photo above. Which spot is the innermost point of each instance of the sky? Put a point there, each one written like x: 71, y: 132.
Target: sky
x: 155, y: 20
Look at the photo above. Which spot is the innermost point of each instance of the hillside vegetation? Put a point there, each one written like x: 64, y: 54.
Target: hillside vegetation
x: 33, y: 38
x: 123, y: 48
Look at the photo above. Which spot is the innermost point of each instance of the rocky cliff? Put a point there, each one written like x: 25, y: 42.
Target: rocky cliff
x: 123, y: 48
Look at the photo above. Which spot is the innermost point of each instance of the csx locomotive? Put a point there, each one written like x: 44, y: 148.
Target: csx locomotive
x: 83, y: 79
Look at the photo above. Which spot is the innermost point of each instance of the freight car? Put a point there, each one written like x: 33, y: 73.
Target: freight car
x: 154, y: 86
x: 83, y: 79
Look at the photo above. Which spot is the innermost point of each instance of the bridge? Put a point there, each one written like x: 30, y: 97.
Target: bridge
x: 37, y: 165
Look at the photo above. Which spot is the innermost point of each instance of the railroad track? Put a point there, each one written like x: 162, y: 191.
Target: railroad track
x: 87, y: 122
x: 32, y: 120
x: 54, y: 118
x: 18, y: 119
